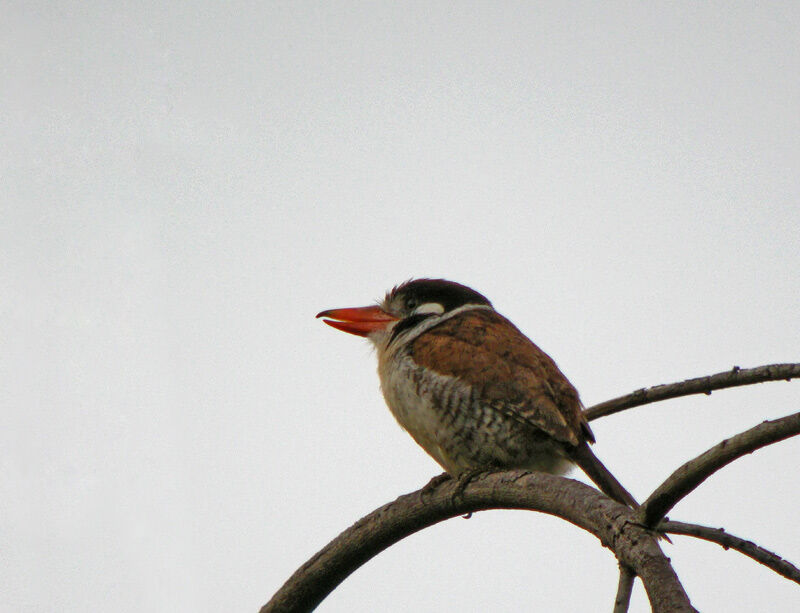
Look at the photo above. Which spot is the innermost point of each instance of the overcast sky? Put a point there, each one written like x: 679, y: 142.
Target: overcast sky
x: 183, y: 186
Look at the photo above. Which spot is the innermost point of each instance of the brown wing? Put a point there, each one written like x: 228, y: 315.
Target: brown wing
x: 506, y: 371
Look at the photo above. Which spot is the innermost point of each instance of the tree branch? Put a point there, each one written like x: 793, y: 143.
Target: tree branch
x: 701, y: 385
x: 614, y: 524
x: 619, y: 528
x: 729, y: 541
x: 694, y: 472
x: 624, y: 589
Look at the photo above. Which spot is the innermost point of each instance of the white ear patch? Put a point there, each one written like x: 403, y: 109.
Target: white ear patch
x: 429, y: 307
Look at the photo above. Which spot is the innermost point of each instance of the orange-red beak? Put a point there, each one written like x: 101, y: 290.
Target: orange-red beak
x: 359, y: 321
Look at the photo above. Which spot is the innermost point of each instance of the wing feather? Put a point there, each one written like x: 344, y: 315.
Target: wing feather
x: 506, y: 371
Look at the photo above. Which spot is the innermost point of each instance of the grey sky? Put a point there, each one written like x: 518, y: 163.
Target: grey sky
x: 183, y: 187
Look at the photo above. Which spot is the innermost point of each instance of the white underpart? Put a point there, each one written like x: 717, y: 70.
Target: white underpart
x: 413, y: 412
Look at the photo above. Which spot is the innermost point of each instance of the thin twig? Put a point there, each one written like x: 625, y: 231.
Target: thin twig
x: 624, y: 589
x: 701, y: 385
x: 694, y: 472
x: 729, y: 541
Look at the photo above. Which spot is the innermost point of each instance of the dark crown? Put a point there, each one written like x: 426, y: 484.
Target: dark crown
x: 449, y: 294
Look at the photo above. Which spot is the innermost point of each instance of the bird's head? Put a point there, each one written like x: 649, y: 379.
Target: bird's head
x: 406, y: 310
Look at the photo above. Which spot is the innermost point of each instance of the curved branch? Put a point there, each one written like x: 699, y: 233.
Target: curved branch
x: 694, y: 472
x: 701, y: 385
x: 729, y: 541
x: 614, y: 524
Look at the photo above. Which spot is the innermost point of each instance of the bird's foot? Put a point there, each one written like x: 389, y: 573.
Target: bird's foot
x: 432, y: 485
x: 463, y: 480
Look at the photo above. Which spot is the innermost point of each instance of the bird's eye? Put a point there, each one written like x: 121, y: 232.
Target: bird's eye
x: 411, y: 304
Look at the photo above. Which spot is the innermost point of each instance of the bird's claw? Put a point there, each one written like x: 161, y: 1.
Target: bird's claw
x: 432, y: 485
x: 463, y: 480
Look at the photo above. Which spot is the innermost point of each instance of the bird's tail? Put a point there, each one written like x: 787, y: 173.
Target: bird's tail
x: 597, y: 472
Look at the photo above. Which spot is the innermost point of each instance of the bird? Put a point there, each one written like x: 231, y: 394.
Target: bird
x: 470, y: 388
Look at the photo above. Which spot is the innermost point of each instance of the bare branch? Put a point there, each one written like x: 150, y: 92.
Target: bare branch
x: 729, y: 541
x: 614, y: 524
x: 624, y: 589
x: 701, y: 385
x: 694, y: 472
